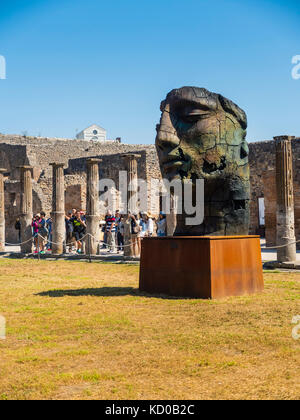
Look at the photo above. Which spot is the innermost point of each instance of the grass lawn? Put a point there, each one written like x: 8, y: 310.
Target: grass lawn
x: 82, y: 331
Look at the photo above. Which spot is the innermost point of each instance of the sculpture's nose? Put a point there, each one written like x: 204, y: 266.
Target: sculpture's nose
x: 166, y: 139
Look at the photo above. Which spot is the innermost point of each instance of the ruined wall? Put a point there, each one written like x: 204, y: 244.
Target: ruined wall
x: 16, y: 151
x: 263, y: 184
x: 40, y: 152
x: 262, y: 161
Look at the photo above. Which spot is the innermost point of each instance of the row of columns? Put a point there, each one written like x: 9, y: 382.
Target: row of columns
x: 58, y: 206
x: 285, y: 203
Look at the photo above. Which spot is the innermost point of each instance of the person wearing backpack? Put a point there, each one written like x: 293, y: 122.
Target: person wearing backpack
x: 79, y: 230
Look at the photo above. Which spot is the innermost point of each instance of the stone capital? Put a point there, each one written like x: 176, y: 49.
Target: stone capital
x: 91, y: 161
x: 279, y: 139
x: 130, y: 156
x: 57, y: 165
x: 25, y: 167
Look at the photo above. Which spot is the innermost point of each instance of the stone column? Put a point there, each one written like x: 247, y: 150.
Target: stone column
x: 285, y: 199
x: 132, y: 177
x: 2, y: 211
x: 58, y: 209
x: 92, y: 206
x: 26, y: 208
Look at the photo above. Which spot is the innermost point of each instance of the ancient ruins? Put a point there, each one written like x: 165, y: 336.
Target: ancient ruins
x: 39, y: 153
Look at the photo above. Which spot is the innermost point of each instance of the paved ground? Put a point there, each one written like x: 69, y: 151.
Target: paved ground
x: 267, y: 255
x: 104, y: 255
x: 271, y: 254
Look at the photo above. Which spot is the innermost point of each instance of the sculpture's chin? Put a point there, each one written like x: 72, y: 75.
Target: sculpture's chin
x: 236, y: 224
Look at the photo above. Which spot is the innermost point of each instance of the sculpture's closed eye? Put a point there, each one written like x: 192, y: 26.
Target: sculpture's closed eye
x: 194, y: 115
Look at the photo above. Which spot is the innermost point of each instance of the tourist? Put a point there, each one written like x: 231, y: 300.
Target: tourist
x: 42, y: 232
x: 35, y: 232
x: 49, y: 223
x: 142, y: 230
x: 111, y: 231
x: 69, y: 230
x: 143, y: 225
x: 161, y: 225
x: 121, y: 234
x: 18, y: 228
x: 118, y: 218
x: 119, y: 231
x: 79, y: 229
x: 104, y: 246
x: 83, y: 216
x: 135, y: 230
x: 150, y: 225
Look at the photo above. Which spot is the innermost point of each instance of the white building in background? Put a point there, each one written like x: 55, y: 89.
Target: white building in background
x: 94, y: 132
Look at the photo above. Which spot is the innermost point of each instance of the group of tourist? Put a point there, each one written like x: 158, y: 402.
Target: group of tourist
x: 42, y: 231
x: 139, y: 226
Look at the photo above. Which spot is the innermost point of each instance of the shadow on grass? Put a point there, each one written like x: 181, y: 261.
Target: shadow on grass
x: 106, y: 292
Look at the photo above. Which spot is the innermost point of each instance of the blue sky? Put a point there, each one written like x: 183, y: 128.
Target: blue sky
x: 73, y: 63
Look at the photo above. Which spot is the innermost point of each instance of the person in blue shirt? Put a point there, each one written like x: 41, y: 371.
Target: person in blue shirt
x: 143, y: 225
x: 162, y: 225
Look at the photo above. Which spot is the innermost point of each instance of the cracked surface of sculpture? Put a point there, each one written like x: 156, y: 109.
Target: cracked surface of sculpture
x: 202, y: 135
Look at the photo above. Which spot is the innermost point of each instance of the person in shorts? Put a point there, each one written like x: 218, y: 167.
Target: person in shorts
x: 79, y: 229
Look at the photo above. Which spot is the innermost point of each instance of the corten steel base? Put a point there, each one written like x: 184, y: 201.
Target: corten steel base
x: 202, y: 267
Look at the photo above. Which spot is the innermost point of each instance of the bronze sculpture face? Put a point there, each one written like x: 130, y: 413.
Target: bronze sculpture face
x: 201, y: 135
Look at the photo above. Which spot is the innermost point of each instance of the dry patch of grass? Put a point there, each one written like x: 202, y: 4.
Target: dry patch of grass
x: 82, y: 331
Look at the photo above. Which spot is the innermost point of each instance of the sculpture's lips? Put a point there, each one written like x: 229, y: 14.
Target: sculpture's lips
x: 172, y: 164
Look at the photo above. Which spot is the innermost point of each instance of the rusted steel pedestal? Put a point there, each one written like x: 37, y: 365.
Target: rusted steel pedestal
x: 209, y: 267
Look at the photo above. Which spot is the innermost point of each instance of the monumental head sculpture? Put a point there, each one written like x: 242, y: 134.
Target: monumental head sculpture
x: 202, y: 135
